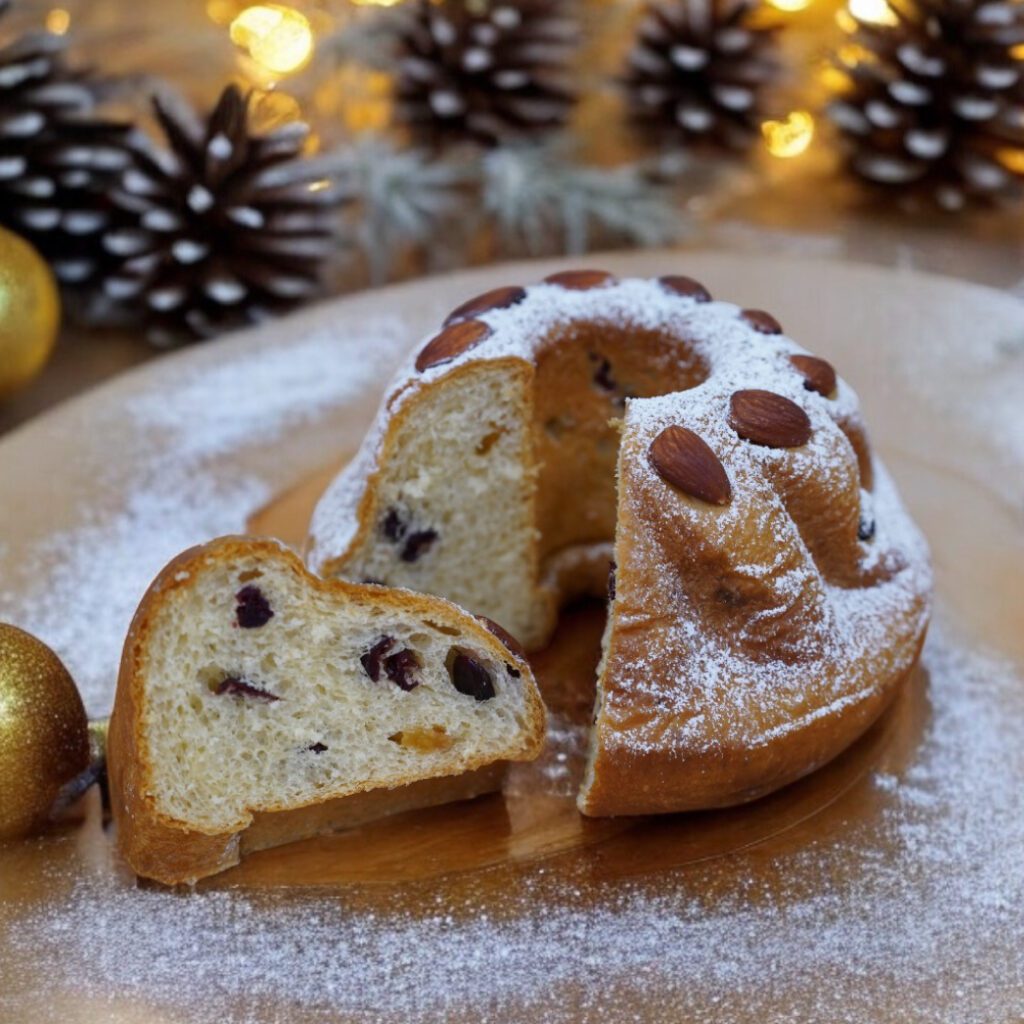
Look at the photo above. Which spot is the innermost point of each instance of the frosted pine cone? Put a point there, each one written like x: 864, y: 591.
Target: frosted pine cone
x: 484, y: 70
x: 932, y: 107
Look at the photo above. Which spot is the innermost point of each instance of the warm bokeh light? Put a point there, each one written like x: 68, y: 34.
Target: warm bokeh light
x: 1012, y: 159
x: 58, y: 21
x: 376, y: 3
x: 790, y: 6
x: 1017, y: 52
x: 278, y: 37
x: 873, y: 12
x: 789, y: 137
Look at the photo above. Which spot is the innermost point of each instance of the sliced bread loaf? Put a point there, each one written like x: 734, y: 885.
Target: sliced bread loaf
x: 258, y: 704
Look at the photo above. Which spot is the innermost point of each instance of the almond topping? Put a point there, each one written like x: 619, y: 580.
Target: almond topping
x: 762, y: 322
x: 496, y: 298
x: 581, y: 280
x: 819, y: 374
x: 451, y: 343
x: 768, y: 419
x: 503, y: 635
x: 685, y: 286
x: 684, y: 460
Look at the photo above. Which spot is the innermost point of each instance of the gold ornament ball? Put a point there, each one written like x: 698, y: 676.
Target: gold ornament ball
x: 44, y: 733
x: 29, y: 312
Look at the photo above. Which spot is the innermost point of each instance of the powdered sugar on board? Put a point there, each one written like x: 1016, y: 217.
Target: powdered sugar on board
x: 91, y: 579
x: 916, y: 909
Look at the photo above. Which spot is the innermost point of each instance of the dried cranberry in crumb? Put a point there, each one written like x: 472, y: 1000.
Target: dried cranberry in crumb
x: 371, y: 659
x: 417, y: 544
x: 235, y: 687
x: 393, y: 526
x: 469, y: 676
x: 401, y: 669
x: 253, y: 608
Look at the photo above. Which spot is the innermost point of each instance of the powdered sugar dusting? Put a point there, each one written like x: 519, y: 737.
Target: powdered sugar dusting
x: 928, y: 930
x: 91, y: 578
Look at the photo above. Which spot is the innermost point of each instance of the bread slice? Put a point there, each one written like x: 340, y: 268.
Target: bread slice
x: 258, y: 704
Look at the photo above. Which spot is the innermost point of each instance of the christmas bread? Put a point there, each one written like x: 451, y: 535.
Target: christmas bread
x: 257, y: 704
x: 768, y: 590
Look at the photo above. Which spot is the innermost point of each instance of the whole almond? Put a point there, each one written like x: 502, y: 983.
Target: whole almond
x: 684, y: 460
x: 818, y: 374
x: 768, y: 419
x: 762, y: 322
x: 451, y: 343
x: 580, y: 280
x: 496, y: 298
x: 503, y: 635
x: 685, y: 286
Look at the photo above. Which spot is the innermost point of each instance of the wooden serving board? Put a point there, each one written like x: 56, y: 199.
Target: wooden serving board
x: 931, y: 359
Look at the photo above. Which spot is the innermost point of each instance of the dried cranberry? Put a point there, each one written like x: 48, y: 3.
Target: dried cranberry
x: 401, y: 669
x: 469, y: 676
x: 371, y: 659
x: 235, y: 687
x: 317, y: 748
x: 417, y: 544
x: 394, y: 527
x: 253, y: 608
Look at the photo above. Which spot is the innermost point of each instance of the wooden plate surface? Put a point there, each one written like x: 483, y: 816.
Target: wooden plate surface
x: 938, y: 365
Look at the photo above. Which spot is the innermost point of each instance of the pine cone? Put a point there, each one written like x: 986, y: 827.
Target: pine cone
x: 699, y: 70
x: 933, y: 107
x: 56, y: 161
x: 227, y: 227
x: 484, y: 70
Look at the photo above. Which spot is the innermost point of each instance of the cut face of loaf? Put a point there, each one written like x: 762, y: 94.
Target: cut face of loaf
x: 250, y: 688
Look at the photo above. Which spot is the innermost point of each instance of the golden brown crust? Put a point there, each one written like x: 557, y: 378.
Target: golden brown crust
x: 630, y: 782
x: 159, y: 847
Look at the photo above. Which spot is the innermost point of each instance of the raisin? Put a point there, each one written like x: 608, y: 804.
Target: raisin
x: 611, y: 580
x: 317, y: 748
x: 393, y: 526
x: 371, y: 659
x: 603, y: 374
x: 512, y: 671
x: 235, y: 687
x: 417, y: 544
x: 469, y: 676
x: 866, y: 529
x: 253, y: 608
x: 401, y: 667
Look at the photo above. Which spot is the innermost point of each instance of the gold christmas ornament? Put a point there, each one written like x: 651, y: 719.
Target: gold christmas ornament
x: 44, y: 733
x: 29, y: 312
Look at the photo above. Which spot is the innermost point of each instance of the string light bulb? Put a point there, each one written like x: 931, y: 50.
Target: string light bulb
x: 278, y: 37
x: 872, y: 12
x: 789, y: 137
x: 58, y: 21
